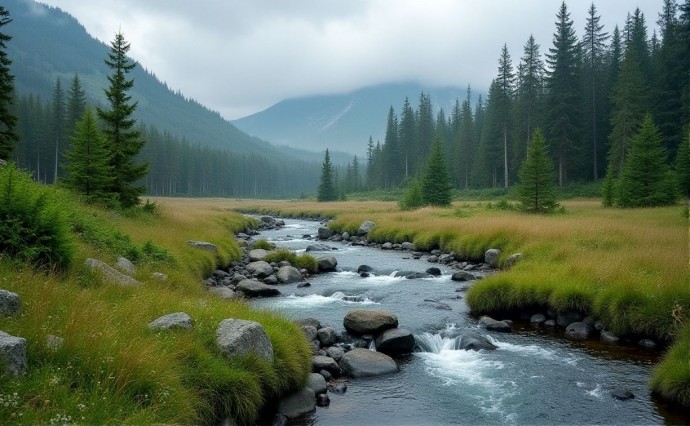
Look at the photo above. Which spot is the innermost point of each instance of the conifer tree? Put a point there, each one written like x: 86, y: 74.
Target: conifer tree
x: 536, y: 190
x: 76, y: 103
x: 412, y: 197
x: 466, y: 141
x: 646, y: 180
x: 327, y: 185
x: 530, y: 93
x: 57, y: 125
x: 391, y: 152
x: 8, y: 121
x: 123, y: 138
x: 88, y: 167
x: 505, y: 81
x: 682, y: 166
x: 407, y: 138
x: 436, y: 187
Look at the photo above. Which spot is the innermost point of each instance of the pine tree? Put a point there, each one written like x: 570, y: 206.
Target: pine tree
x: 436, y: 187
x: 390, y: 164
x: 8, y: 121
x: 467, y: 142
x: 327, y: 186
x: 505, y: 81
x: 58, y: 125
x: 88, y: 167
x: 646, y: 180
x: 608, y: 187
x: 124, y: 139
x: 530, y: 93
x: 536, y: 189
x: 76, y: 103
x: 407, y: 136
x: 682, y: 166
x: 425, y: 129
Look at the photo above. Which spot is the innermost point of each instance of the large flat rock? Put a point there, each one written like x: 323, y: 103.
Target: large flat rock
x: 361, y: 321
x: 361, y: 362
x: 254, y: 288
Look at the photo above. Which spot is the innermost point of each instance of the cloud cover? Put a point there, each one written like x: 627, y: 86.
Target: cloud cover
x: 239, y: 57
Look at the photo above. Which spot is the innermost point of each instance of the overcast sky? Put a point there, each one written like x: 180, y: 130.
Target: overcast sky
x: 241, y: 56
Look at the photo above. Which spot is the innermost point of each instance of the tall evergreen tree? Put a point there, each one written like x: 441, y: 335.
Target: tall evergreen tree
x: 8, y: 121
x: 88, y: 167
x: 76, y: 103
x: 489, y: 159
x: 391, y: 152
x: 594, y: 50
x: 563, y: 82
x: 505, y: 81
x: 327, y: 185
x: 682, y: 166
x: 436, y: 187
x: 646, y: 180
x: 124, y: 138
x: 536, y: 189
x: 407, y: 138
x: 425, y: 129
x: 467, y: 141
x: 58, y: 125
x: 529, y: 98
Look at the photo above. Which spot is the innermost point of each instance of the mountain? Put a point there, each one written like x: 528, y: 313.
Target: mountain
x: 48, y: 43
x: 342, y: 122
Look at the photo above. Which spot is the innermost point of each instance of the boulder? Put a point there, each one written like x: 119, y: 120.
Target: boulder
x: 446, y: 258
x: 222, y: 292
x: 324, y: 233
x: 203, y: 245
x: 289, y: 275
x: 177, y: 320
x: 317, y: 383
x: 432, y: 259
x: 407, y: 246
x: 647, y: 343
x: 309, y: 332
x: 537, y: 319
x: 622, y: 394
x: 322, y: 400
x: 320, y: 362
x: 463, y: 276
x: 437, y: 304
x: 493, y: 325
x: 550, y: 323
x: 125, y: 266
x: 491, y: 257
x: 260, y: 269
x: 609, y: 337
x: 346, y: 236
x: 579, y: 330
x: 327, y: 263
x: 512, y: 260
x: 365, y: 227
x: 340, y: 388
x: 395, y: 341
x: 335, y: 352
x: 387, y: 246
x: 13, y: 359
x: 268, y: 220
x: 412, y: 275
x: 564, y: 319
x: 10, y: 303
x: 361, y: 362
x: 318, y: 247
x: 254, y: 288
x: 327, y: 336
x: 360, y: 321
x: 110, y: 273
x: 297, y: 404
x: 271, y: 279
x: 434, y: 271
x: 308, y: 321
x: 257, y: 254
x: 474, y: 344
x: 303, y: 285
x: 236, y: 337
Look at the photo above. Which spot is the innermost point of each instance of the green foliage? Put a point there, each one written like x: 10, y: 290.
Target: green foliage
x: 303, y: 261
x: 412, y: 197
x: 435, y: 184
x: 124, y: 141
x: 327, y: 187
x: 32, y: 226
x: 646, y: 180
x: 8, y: 121
x: 537, y: 179
x: 263, y: 244
x: 682, y: 167
x: 609, y: 188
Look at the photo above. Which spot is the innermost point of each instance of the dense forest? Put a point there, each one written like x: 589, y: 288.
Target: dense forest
x: 589, y: 96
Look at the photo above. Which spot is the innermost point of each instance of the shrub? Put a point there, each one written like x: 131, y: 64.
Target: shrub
x: 412, y: 197
x: 263, y: 244
x: 32, y: 227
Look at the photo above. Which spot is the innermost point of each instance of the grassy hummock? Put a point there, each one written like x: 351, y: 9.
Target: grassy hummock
x: 110, y: 368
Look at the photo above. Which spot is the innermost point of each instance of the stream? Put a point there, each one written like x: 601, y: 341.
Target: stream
x: 534, y: 377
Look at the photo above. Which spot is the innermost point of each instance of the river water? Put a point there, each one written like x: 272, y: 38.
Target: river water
x: 534, y: 377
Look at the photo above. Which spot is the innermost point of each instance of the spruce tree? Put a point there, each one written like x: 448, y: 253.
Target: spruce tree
x: 436, y: 187
x: 327, y: 187
x: 646, y: 180
x: 88, y: 160
x: 412, y: 197
x: 505, y: 81
x: 8, y: 121
x: 536, y: 190
x: 467, y: 141
x: 57, y: 125
x: 682, y: 166
x: 123, y: 138
x: 76, y: 103
x: 530, y: 94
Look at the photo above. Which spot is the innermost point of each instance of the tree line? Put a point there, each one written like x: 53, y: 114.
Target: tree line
x: 589, y: 96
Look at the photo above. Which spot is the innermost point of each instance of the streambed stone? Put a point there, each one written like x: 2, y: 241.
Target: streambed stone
x: 327, y: 263
x: 579, y: 331
x: 297, y: 404
x: 317, y: 383
x: 493, y: 325
x: 395, y: 341
x: 260, y: 269
x: 360, y: 321
x: 289, y: 275
x: 361, y: 362
x: 257, y: 254
x: 254, y: 288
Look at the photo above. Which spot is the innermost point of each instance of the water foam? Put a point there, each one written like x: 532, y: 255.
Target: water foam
x: 532, y: 351
x: 314, y: 300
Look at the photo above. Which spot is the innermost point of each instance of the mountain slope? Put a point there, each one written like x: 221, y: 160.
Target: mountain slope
x: 343, y: 122
x: 48, y: 43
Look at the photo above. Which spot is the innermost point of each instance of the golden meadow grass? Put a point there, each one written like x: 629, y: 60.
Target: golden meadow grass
x: 111, y: 368
x: 628, y: 267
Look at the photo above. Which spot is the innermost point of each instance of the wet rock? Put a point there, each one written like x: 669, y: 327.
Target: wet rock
x: 437, y: 304
x: 326, y: 374
x: 566, y: 318
x: 236, y: 337
x: 491, y: 257
x: 579, y: 330
x: 622, y: 394
x: 317, y: 383
x: 308, y: 321
x: 288, y: 275
x: 365, y: 227
x: 414, y: 275
x: 268, y: 220
x: 303, y: 285
x: 432, y: 259
x: 203, y: 245
x: 320, y: 362
x: 322, y: 400
x: 395, y: 341
x: 271, y: 279
x: 446, y: 258
x: 462, y: 288
x: 13, y: 360
x: 327, y: 336
x: 550, y: 323
x: 474, y: 344
x: 177, y: 320
x: 111, y: 274
x: 309, y: 332
x: 463, y: 276
x: 609, y: 337
x: 327, y: 263
x: 361, y: 362
x: 493, y: 325
x: 10, y: 303
x: 297, y: 404
x: 647, y: 344
x: 537, y: 319
x: 434, y: 271
x: 257, y: 254
x: 318, y: 247
x: 260, y: 269
x: 387, y: 246
x: 335, y: 352
x: 364, y: 268
x: 407, y: 246
x: 360, y: 321
x: 346, y: 236
x: 254, y: 288
x: 324, y: 233
x: 340, y: 388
